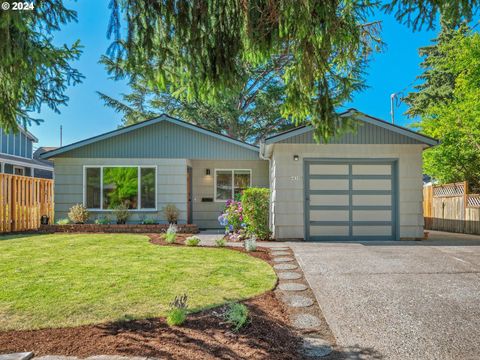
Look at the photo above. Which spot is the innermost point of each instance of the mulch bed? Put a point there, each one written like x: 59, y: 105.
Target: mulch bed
x: 204, y: 335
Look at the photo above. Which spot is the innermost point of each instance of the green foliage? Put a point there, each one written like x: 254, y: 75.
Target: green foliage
x: 171, y: 213
x: 250, y: 244
x: 178, y: 311
x: 171, y: 234
x: 121, y: 214
x: 237, y: 315
x: 220, y: 242
x: 78, y: 214
x: 34, y: 71
x: 192, y: 241
x: 455, y: 121
x: 194, y: 50
x: 63, y: 221
x: 122, y: 183
x: 255, y: 202
x: 149, y: 222
x: 103, y: 220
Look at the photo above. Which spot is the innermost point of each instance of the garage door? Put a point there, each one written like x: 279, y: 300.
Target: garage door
x: 350, y: 200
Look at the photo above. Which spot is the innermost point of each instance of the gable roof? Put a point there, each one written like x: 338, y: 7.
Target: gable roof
x: 159, y: 119
x: 410, y: 134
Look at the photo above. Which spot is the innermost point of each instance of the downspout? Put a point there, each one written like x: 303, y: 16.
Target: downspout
x: 263, y: 157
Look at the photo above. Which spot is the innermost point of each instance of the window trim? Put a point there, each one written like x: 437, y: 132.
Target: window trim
x: 138, y: 209
x: 233, y: 182
x: 19, y: 168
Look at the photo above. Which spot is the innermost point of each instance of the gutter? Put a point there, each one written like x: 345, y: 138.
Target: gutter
x: 261, y: 153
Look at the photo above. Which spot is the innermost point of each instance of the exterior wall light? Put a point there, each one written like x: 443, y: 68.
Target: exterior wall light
x: 207, y: 172
x: 295, y: 157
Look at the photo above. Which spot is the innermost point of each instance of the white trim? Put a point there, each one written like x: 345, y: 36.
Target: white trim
x: 19, y: 168
x: 233, y: 182
x: 24, y: 164
x: 139, y: 195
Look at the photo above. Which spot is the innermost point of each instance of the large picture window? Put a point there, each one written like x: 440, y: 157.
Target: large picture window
x: 229, y: 183
x: 107, y: 187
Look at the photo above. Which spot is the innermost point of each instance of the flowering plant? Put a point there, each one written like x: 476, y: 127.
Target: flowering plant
x: 232, y: 219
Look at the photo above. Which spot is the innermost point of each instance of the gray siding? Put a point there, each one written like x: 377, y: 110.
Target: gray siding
x: 17, y: 144
x: 163, y: 140
x: 205, y: 214
x: 364, y: 133
x: 171, y: 185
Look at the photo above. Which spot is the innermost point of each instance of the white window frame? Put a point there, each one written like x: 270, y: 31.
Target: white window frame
x: 233, y: 182
x: 139, y: 167
x: 20, y: 168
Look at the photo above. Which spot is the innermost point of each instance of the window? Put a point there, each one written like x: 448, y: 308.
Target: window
x: 230, y: 183
x: 107, y: 187
x: 17, y: 170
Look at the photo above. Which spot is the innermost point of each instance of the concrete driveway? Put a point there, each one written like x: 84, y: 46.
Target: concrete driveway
x: 399, y: 300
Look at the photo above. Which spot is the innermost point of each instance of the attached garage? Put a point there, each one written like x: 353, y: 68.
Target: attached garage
x: 363, y: 185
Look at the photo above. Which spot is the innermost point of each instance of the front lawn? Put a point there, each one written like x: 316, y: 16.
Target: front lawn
x: 76, y: 279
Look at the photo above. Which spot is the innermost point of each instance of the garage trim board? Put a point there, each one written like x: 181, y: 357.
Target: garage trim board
x: 350, y: 199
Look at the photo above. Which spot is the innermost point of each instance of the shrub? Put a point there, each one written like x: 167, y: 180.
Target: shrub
x: 121, y: 213
x: 102, y: 220
x: 232, y: 219
x: 171, y: 234
x: 220, y: 242
x: 251, y: 244
x: 236, y: 315
x: 255, y: 203
x: 64, y: 221
x: 78, y: 214
x: 171, y: 213
x: 192, y: 241
x: 178, y: 311
x: 149, y: 221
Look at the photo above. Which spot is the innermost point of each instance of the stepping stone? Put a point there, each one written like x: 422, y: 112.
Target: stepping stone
x: 282, y: 259
x: 305, y: 321
x: 292, y: 287
x: 289, y: 276
x: 279, y: 248
x: 280, y: 253
x: 316, y: 347
x: 285, y: 266
x: 297, y: 301
x: 17, y: 356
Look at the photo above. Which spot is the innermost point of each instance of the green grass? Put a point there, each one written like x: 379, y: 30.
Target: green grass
x: 65, y: 280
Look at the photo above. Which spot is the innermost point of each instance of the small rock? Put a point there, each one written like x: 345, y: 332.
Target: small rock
x: 305, y: 321
x: 282, y: 259
x: 316, y: 347
x: 292, y: 287
x: 297, y: 301
x: 280, y: 253
x: 17, y: 356
x: 289, y: 276
x: 285, y: 266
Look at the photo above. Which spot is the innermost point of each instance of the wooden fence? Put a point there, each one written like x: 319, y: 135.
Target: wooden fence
x: 451, y: 207
x: 23, y: 201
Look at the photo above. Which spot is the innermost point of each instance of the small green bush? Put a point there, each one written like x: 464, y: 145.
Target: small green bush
x: 171, y: 213
x: 192, y: 241
x: 78, y: 214
x: 102, y: 220
x: 220, y: 242
x: 250, y: 244
x: 63, y: 221
x: 236, y: 315
x: 122, y: 214
x: 149, y: 222
x: 255, y: 202
x: 178, y: 311
x: 171, y: 234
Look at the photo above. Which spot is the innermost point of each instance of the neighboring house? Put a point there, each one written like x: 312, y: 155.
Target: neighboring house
x: 363, y: 185
x: 16, y: 155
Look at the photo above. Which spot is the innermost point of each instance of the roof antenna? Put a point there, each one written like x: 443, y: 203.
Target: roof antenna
x: 392, y: 106
x: 61, y: 135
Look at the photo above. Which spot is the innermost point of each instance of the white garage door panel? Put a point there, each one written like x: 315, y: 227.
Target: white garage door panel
x: 372, y: 200
x: 372, y: 184
x: 323, y: 200
x: 329, y: 230
x: 328, y: 169
x: 371, y: 169
x: 372, y: 215
x: 350, y: 199
x: 329, y: 215
x: 329, y: 184
x: 372, y: 230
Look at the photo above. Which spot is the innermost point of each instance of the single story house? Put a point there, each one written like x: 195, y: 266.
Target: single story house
x: 363, y: 185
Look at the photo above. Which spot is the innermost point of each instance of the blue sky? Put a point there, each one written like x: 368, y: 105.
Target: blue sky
x: 390, y: 71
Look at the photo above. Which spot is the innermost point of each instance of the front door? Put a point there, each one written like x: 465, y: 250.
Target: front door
x: 350, y: 199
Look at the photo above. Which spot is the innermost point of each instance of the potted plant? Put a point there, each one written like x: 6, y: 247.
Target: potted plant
x: 171, y: 213
x: 121, y: 213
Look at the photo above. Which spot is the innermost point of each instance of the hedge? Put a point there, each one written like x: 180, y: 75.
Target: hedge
x: 255, y: 203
